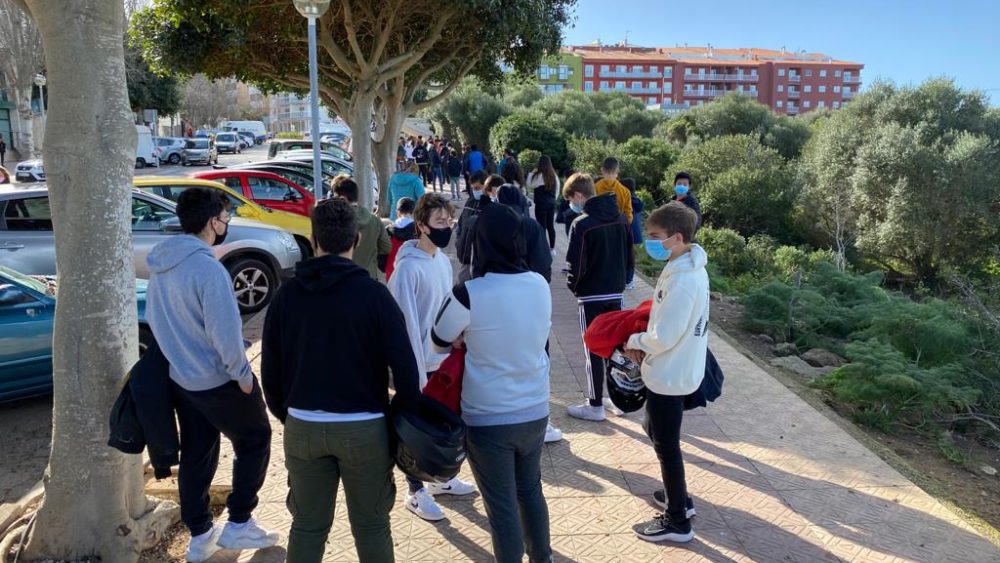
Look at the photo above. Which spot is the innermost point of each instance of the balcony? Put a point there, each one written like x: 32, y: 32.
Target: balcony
x: 631, y: 74
x: 794, y: 95
x: 792, y: 110
x: 711, y: 93
x: 849, y: 94
x: 852, y: 80
x: 643, y: 90
x: 713, y: 76
x: 794, y: 78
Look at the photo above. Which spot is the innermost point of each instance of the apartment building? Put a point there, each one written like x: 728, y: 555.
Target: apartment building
x: 291, y: 112
x: 678, y: 77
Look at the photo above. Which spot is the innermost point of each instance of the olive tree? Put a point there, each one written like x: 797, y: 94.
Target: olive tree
x: 21, y: 59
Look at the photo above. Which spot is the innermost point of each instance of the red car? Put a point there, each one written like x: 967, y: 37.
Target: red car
x: 265, y: 188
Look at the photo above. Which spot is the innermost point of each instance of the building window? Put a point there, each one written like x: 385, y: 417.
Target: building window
x: 822, y: 74
x: 544, y: 72
x: 668, y: 87
x: 780, y: 103
x: 637, y: 85
x: 806, y: 103
x: 563, y: 72
x: 836, y: 89
x: 781, y: 72
x: 753, y: 73
x: 654, y: 69
x: 651, y: 101
x: 807, y: 88
x: 605, y: 69
x: 847, y: 75
x: 836, y: 105
x: 701, y: 72
x: 668, y: 72
x: 821, y: 104
x: 652, y: 85
x: 605, y: 85
x: 847, y: 90
x: 620, y: 68
x: 588, y: 71
x: 687, y: 71
x: 636, y: 68
x: 588, y: 86
x: 809, y: 72
x: 821, y: 89
x: 620, y: 85
x: 753, y: 90
x: 836, y: 73
x: 781, y: 87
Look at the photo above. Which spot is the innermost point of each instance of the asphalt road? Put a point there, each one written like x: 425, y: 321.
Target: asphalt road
x: 254, y: 154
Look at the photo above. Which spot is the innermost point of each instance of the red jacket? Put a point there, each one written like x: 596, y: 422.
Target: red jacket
x: 445, y: 384
x: 397, y: 236
x: 611, y: 330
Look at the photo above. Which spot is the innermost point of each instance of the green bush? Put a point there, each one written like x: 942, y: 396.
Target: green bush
x: 528, y: 158
x: 288, y: 135
x: 726, y: 248
x: 645, y: 160
x: 648, y: 203
x: 587, y: 154
x: 526, y: 130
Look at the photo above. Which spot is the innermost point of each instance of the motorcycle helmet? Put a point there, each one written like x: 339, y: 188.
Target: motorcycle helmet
x: 625, y: 387
x: 429, y: 441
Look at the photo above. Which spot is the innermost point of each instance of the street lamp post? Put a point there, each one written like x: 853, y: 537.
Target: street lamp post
x: 313, y: 10
x: 40, y: 82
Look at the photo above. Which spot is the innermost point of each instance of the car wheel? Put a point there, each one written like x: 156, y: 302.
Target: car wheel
x: 145, y: 339
x: 254, y: 284
x: 304, y: 248
x: 174, y: 159
x: 140, y: 163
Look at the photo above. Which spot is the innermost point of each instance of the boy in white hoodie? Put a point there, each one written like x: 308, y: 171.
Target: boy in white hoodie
x: 672, y: 353
x: 421, y: 281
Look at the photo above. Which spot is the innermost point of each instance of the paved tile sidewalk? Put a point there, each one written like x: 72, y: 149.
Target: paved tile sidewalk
x: 772, y: 480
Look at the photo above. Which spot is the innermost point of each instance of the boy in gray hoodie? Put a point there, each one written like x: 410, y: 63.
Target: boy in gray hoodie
x: 196, y: 322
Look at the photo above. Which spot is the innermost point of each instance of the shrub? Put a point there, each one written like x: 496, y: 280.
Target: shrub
x: 288, y: 135
x: 528, y: 159
x: 588, y: 154
x: 726, y: 248
x: 646, y: 160
x: 526, y: 130
x: 648, y: 203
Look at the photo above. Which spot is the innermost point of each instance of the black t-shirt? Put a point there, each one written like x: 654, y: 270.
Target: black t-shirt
x: 420, y: 154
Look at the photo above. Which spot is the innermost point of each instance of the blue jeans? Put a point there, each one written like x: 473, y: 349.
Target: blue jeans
x: 507, y: 464
x: 439, y: 181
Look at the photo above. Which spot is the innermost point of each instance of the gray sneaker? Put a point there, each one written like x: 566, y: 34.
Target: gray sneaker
x: 248, y: 535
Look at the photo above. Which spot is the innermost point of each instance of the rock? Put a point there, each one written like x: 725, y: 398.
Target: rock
x: 763, y: 339
x: 799, y: 367
x: 715, y: 296
x: 786, y: 349
x: 991, y: 471
x: 818, y: 357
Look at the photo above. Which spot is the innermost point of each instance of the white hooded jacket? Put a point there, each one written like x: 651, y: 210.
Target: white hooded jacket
x: 676, y: 339
x: 420, y: 283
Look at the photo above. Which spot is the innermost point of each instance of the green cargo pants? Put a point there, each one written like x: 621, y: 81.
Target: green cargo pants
x: 318, y: 455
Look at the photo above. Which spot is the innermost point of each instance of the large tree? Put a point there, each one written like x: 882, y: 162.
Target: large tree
x: 372, y: 54
x: 21, y: 58
x: 204, y: 102
x: 94, y: 503
x: 147, y: 89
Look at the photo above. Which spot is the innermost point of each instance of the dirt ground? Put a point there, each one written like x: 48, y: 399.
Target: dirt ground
x: 916, y: 455
x: 25, y: 436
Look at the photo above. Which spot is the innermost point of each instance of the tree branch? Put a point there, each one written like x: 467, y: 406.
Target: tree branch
x: 403, y: 63
x: 447, y: 90
x: 352, y: 38
x: 383, y: 38
x: 325, y: 38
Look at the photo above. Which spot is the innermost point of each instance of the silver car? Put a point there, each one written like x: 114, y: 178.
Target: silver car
x: 228, y: 142
x: 257, y: 256
x: 169, y: 149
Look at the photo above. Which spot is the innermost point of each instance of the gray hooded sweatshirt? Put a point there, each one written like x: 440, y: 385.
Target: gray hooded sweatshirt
x: 193, y: 313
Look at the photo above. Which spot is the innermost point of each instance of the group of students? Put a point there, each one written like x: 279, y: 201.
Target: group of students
x: 336, y: 340
x: 438, y: 163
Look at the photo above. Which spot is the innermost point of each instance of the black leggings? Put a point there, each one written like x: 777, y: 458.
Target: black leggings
x: 546, y: 217
x: 664, y: 414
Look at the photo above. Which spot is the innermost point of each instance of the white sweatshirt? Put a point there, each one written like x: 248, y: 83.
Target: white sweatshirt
x: 420, y: 283
x: 676, y: 340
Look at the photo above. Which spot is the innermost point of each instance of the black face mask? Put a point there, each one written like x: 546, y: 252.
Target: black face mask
x: 440, y: 237
x: 219, y: 239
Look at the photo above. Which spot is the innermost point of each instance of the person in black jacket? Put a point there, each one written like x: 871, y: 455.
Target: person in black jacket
x: 538, y: 257
x: 480, y: 196
x: 682, y: 193
x: 330, y: 338
x: 600, y: 253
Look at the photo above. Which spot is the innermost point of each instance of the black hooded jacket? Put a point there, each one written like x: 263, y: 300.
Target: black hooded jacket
x: 537, y: 256
x: 331, y: 335
x: 600, y: 250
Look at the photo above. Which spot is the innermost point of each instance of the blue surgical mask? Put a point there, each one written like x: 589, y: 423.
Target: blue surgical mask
x: 476, y: 194
x: 495, y: 199
x: 681, y: 189
x: 656, y: 250
x: 576, y: 208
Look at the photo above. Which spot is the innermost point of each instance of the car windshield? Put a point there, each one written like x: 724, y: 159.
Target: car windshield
x: 226, y: 138
x: 197, y: 144
x: 18, y: 277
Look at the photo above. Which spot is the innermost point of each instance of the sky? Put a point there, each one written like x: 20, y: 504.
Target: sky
x: 903, y: 41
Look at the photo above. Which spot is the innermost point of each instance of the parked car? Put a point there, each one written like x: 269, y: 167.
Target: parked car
x: 30, y: 171
x: 265, y: 189
x: 257, y: 256
x: 294, y: 175
x: 202, y: 134
x: 27, y: 312
x: 169, y: 149
x: 171, y: 188
x: 199, y: 151
x: 5, y: 177
x: 145, y: 149
x: 282, y: 145
x: 255, y: 127
x: 228, y: 142
x: 248, y: 139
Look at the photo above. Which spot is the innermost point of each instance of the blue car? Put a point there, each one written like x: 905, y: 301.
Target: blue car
x: 27, y: 311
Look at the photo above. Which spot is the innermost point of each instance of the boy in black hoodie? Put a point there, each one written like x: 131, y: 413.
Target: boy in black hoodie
x: 328, y: 382
x: 599, y: 254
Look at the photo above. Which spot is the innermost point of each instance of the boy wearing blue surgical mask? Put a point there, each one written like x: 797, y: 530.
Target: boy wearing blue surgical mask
x: 672, y: 354
x: 682, y: 193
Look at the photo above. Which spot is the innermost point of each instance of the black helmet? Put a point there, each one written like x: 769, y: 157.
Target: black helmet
x: 430, y: 440
x: 625, y: 387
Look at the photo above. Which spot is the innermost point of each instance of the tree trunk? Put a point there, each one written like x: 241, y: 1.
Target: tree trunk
x: 26, y: 125
x: 384, y: 154
x: 94, y: 503
x: 359, y: 119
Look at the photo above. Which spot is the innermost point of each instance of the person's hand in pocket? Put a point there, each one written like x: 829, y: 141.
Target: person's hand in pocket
x: 247, y: 386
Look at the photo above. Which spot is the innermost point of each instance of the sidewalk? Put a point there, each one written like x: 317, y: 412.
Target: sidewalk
x: 772, y: 480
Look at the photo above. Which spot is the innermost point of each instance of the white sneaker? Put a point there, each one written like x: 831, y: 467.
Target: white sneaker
x: 456, y: 487
x: 248, y: 535
x: 422, y: 504
x: 610, y: 408
x: 553, y: 251
x: 630, y: 285
x: 586, y: 411
x: 552, y: 434
x: 203, y: 547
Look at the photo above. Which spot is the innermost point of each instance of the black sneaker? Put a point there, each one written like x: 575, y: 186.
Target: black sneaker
x: 661, y: 499
x: 660, y: 528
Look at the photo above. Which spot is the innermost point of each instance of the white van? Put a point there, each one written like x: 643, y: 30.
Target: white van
x: 145, y: 148
x: 255, y: 127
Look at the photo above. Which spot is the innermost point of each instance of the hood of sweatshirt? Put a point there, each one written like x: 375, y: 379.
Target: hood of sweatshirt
x: 608, y: 185
x: 319, y: 274
x: 170, y: 253
x: 403, y: 229
x: 409, y: 251
x: 694, y: 260
x: 603, y: 207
